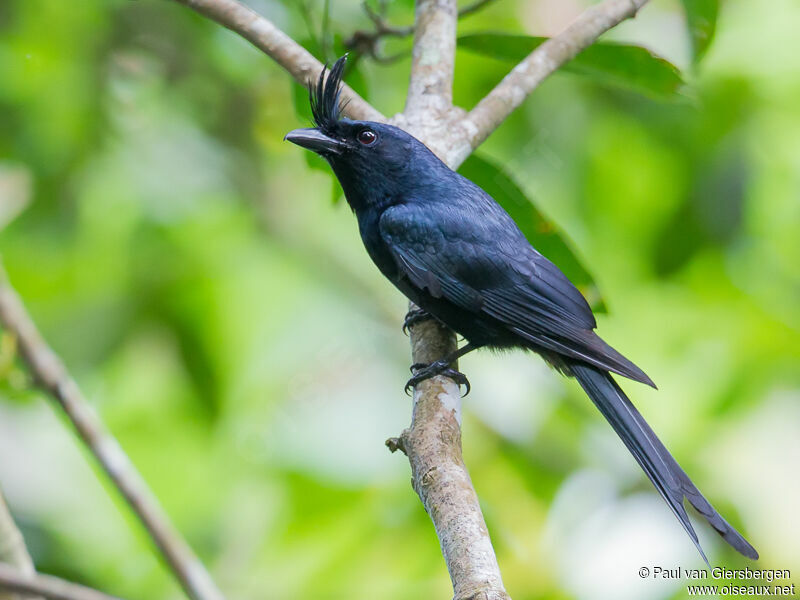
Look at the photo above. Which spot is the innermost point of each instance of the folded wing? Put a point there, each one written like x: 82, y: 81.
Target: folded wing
x: 492, y: 269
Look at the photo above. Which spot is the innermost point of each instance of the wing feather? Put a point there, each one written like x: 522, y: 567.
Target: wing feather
x: 517, y: 286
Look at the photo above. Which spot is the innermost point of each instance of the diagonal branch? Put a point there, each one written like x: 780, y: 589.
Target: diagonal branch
x: 490, y: 112
x: 261, y: 32
x: 53, y: 378
x: 13, y: 580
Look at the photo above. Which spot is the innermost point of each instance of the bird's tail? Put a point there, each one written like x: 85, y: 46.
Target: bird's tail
x: 670, y: 480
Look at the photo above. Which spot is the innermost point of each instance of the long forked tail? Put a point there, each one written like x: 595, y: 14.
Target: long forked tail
x: 670, y: 480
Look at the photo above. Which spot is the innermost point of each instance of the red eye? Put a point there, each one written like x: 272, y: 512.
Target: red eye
x: 367, y: 137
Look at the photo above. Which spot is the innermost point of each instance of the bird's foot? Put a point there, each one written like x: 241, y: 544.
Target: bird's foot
x: 422, y: 371
x: 414, y: 317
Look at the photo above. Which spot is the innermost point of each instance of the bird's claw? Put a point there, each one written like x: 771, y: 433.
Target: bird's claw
x: 422, y: 371
x: 414, y: 317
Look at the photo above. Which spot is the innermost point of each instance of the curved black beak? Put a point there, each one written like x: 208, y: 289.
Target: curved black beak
x: 313, y: 139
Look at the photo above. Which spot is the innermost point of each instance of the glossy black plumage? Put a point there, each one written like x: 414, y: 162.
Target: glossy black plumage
x: 456, y: 253
x: 324, y: 98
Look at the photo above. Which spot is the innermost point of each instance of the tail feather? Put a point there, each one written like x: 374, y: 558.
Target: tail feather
x: 667, y: 476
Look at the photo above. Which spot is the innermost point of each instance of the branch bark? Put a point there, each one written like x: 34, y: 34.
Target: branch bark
x: 506, y: 97
x: 53, y: 378
x: 440, y: 477
x: 263, y: 34
x: 13, y: 580
x: 430, y: 89
x: 13, y: 551
x: 433, y: 441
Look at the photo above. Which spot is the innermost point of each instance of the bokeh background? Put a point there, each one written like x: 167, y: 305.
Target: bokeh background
x: 209, y: 291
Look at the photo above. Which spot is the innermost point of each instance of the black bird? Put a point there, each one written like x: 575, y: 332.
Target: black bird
x: 454, y: 252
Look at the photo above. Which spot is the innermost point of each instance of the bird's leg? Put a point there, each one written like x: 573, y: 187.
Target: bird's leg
x: 414, y: 317
x: 422, y: 371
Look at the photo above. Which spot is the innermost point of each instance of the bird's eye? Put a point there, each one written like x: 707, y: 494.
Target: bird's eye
x: 367, y: 137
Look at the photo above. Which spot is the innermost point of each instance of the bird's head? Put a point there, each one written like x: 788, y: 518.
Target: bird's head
x: 370, y: 159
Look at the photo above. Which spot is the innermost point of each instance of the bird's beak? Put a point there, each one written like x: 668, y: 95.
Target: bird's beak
x: 315, y: 140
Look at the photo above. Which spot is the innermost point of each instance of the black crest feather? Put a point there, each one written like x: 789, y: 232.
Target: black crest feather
x: 324, y: 97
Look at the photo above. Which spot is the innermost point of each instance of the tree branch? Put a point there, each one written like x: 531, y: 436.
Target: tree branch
x: 430, y: 89
x: 492, y: 110
x: 260, y: 32
x: 53, y: 378
x: 368, y: 42
x: 13, y: 580
x: 13, y: 551
x: 440, y: 478
x: 433, y: 441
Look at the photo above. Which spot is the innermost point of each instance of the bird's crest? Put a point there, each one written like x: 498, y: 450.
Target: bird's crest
x: 325, y: 96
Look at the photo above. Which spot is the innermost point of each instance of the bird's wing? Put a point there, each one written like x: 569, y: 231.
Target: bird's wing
x: 433, y: 259
x: 481, y: 264
x: 486, y: 265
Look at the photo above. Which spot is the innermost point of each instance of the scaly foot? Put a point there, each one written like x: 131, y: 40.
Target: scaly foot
x: 421, y: 372
x: 414, y: 317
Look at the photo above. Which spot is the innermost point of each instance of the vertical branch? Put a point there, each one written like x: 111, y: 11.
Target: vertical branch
x: 53, y: 378
x: 433, y: 441
x: 430, y: 88
x: 440, y: 477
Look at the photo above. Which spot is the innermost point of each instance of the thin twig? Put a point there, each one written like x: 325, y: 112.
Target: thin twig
x: 369, y: 42
x: 280, y: 47
x: 326, y: 42
x: 13, y: 551
x: 382, y: 25
x: 13, y: 580
x: 304, y: 9
x: 490, y: 112
x: 53, y: 378
x: 473, y: 8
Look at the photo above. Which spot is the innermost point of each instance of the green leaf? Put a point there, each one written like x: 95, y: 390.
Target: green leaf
x: 541, y: 233
x: 701, y: 19
x: 631, y: 67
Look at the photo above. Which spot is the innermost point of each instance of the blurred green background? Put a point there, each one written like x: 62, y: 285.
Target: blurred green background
x: 218, y: 309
